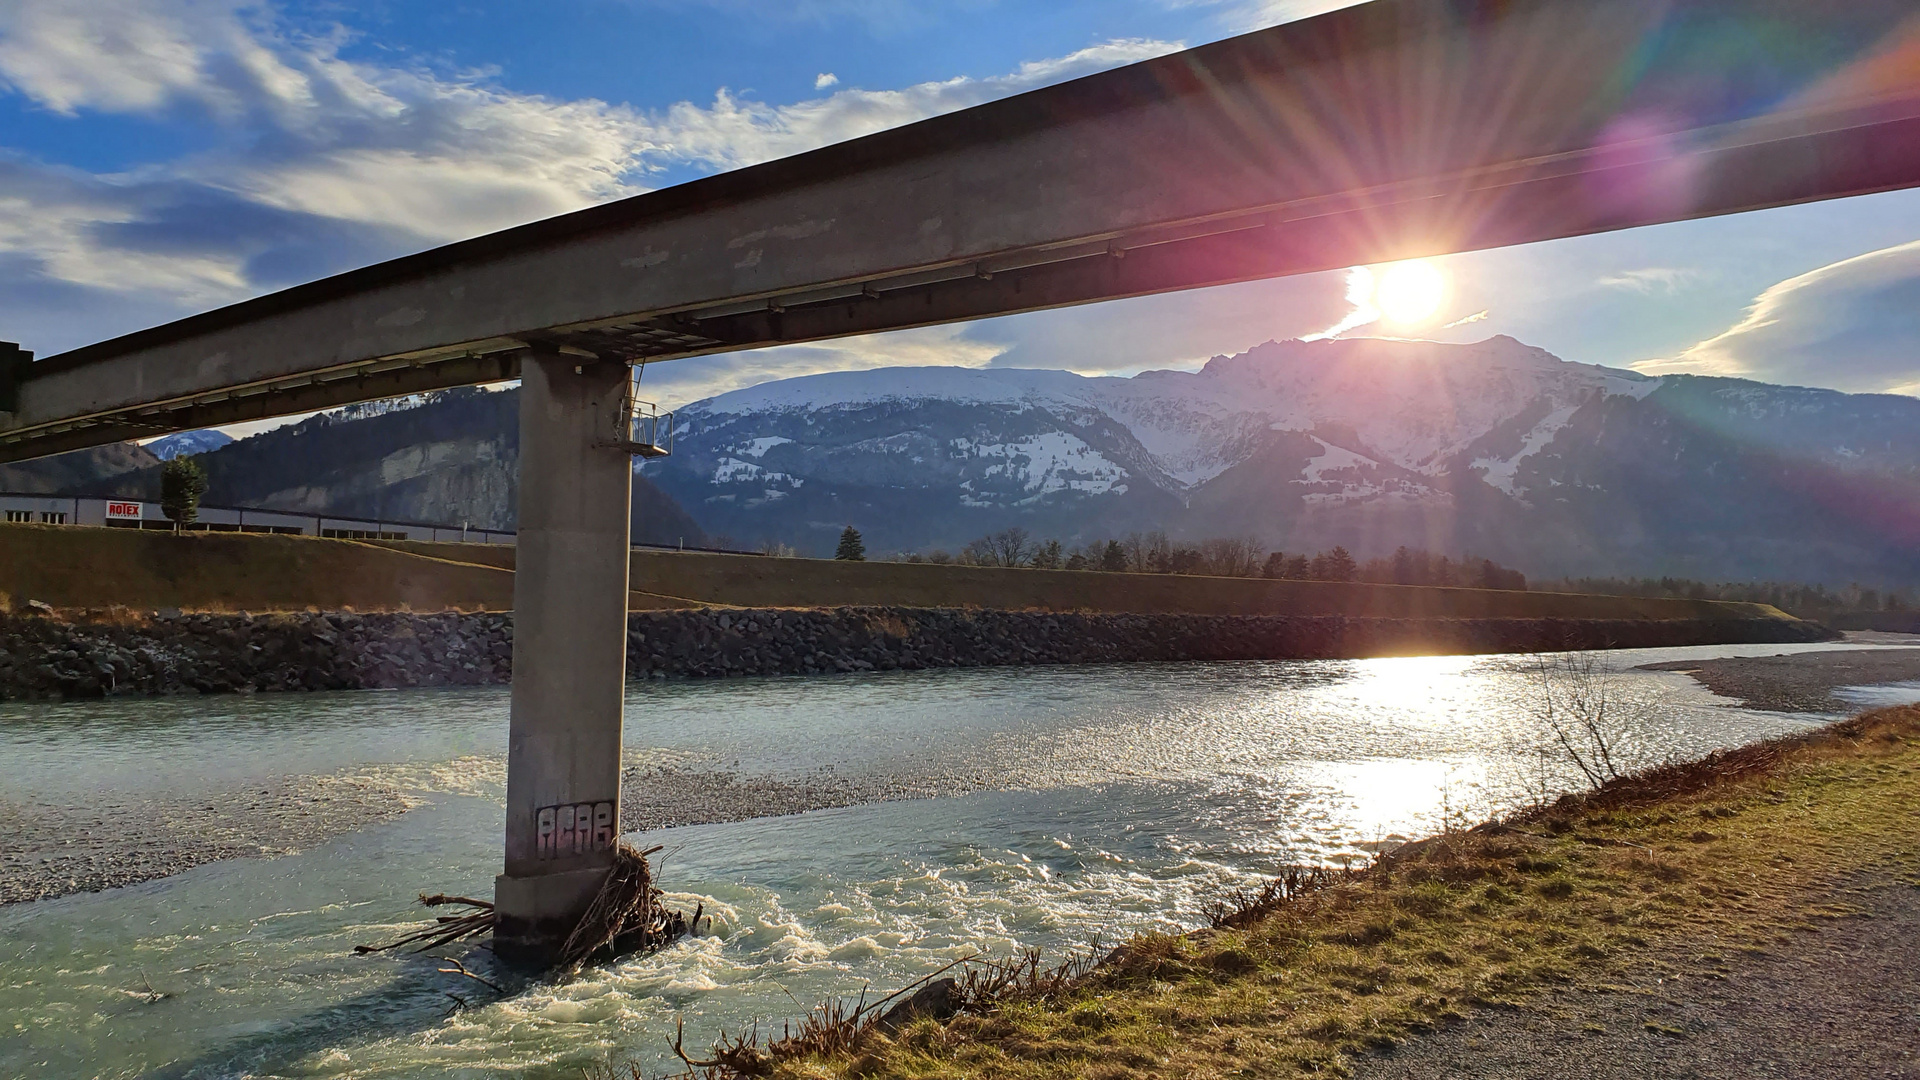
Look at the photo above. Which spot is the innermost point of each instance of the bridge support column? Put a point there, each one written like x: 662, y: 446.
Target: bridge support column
x: 569, y: 654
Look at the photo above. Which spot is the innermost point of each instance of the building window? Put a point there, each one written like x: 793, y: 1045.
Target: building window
x: 53, y: 517
x: 19, y: 515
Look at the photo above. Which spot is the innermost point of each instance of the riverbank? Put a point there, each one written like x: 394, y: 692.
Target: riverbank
x: 1804, y: 682
x: 1697, y: 868
x: 130, y: 654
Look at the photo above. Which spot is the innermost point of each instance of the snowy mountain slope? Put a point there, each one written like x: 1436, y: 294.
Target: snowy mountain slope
x: 1496, y: 446
x: 1411, y: 404
x: 168, y: 447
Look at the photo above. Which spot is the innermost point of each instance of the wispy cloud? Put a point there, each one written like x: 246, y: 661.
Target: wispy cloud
x: 1652, y: 279
x: 1850, y: 325
x: 1478, y: 316
x: 733, y: 131
x: 328, y: 162
x: 685, y: 381
x: 1241, y: 16
x: 1360, y: 282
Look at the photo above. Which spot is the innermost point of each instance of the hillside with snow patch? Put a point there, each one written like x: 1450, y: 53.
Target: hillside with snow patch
x: 1496, y: 446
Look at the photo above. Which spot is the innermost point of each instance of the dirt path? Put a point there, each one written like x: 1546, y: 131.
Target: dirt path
x: 1839, y: 1000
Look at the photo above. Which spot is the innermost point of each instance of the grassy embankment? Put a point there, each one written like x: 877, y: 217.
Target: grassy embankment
x: 77, y: 569
x: 1686, y: 866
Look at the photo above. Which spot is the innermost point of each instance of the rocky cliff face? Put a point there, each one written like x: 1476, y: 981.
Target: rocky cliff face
x: 1497, y: 448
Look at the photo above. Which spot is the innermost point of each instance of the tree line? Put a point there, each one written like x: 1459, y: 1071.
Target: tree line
x: 1246, y: 557
x: 1798, y: 599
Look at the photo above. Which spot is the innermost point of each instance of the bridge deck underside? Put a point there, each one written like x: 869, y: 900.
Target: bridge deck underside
x: 1392, y: 130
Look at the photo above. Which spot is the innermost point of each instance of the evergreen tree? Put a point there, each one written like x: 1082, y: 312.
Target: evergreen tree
x: 852, y: 548
x: 1114, y: 559
x: 1048, y: 557
x: 1335, y: 565
x: 1276, y: 565
x: 1404, y: 571
x: 182, y: 483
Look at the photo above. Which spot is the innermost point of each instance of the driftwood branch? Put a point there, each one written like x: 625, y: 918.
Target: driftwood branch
x: 459, y: 968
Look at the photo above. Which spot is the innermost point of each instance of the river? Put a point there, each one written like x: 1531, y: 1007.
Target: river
x: 1074, y: 804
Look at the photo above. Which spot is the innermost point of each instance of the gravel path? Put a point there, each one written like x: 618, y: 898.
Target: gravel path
x: 1801, y: 682
x: 1837, y: 1002
x: 49, y: 850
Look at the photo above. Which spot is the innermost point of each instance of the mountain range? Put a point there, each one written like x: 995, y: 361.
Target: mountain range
x: 1494, y: 448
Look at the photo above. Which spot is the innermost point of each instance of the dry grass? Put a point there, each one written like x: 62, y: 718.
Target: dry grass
x: 1723, y: 855
x: 76, y: 569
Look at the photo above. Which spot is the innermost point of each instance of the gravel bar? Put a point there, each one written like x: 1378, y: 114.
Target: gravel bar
x: 1801, y: 682
x: 124, y: 839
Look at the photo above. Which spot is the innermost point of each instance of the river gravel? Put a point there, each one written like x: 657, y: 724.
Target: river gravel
x: 1804, y: 682
x: 49, y: 850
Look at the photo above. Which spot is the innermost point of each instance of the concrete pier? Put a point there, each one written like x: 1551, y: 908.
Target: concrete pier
x: 569, y: 652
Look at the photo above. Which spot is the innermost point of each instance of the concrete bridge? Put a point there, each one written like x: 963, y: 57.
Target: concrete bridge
x: 1396, y: 129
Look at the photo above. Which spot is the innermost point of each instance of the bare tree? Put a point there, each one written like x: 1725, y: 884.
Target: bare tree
x: 1149, y: 553
x: 1008, y: 547
x: 1237, y: 556
x: 1586, y: 718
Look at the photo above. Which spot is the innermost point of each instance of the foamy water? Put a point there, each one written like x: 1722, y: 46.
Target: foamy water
x: 1111, y: 800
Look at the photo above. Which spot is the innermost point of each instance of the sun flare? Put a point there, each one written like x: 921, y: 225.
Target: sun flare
x: 1410, y: 292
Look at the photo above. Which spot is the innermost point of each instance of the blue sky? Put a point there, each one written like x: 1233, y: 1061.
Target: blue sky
x: 160, y: 157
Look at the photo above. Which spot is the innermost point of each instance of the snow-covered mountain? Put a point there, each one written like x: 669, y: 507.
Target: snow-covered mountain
x: 168, y: 447
x: 1496, y: 446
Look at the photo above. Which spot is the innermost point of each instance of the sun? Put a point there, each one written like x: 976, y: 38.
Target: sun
x: 1410, y: 292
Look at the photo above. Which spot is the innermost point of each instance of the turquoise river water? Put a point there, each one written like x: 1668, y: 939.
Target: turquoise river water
x: 1094, y: 802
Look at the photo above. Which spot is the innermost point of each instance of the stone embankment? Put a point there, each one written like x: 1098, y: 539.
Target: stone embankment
x: 46, y: 657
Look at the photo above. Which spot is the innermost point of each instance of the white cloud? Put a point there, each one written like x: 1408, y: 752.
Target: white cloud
x: 1651, y: 279
x: 1853, y: 325
x: 682, y: 382
x: 1241, y: 16
x: 330, y: 162
x: 1360, y: 290
x: 825, y: 79
x: 119, y: 55
x: 734, y: 131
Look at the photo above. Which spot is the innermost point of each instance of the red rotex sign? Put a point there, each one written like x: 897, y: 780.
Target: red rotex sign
x: 123, y: 511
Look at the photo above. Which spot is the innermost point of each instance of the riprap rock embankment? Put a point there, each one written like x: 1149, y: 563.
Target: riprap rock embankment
x: 46, y: 657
